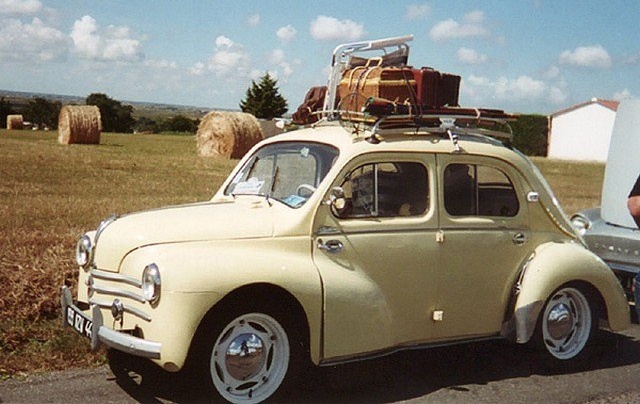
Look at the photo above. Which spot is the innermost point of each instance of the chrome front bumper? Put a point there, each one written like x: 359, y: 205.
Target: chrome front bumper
x: 99, y: 334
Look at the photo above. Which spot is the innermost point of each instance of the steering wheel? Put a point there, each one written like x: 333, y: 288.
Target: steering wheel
x: 305, y: 187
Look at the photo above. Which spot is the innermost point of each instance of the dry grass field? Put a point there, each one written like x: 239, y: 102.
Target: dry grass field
x: 50, y: 194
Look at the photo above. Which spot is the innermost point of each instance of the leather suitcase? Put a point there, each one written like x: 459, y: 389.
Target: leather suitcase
x: 313, y: 102
x: 448, y: 90
x: 391, y: 83
x: 427, y: 84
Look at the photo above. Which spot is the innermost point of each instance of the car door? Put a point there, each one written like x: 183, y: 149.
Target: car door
x: 376, y: 255
x: 485, y: 241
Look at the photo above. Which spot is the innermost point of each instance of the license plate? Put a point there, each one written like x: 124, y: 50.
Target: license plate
x: 79, y: 321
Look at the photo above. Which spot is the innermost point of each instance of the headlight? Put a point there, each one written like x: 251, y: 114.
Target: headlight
x: 151, y: 283
x: 581, y: 223
x: 84, y: 251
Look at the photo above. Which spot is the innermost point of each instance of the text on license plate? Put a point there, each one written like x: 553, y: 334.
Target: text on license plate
x: 79, y: 322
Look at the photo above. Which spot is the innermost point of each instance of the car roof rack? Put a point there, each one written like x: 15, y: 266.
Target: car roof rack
x: 395, y: 51
x: 452, y: 121
x: 381, y: 114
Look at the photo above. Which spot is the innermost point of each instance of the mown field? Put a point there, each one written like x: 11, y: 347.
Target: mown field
x: 50, y: 194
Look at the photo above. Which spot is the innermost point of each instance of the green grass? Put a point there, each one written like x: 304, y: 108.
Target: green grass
x: 50, y: 194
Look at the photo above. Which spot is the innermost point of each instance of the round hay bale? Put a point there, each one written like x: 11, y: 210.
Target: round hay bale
x: 227, y: 134
x: 79, y: 124
x: 15, y: 122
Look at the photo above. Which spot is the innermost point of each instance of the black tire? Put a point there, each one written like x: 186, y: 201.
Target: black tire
x: 250, y: 355
x: 566, y: 326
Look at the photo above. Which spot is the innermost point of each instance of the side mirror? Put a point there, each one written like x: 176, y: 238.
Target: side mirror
x: 336, y: 198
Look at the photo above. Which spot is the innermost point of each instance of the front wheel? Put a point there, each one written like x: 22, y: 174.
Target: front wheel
x: 250, y: 358
x: 566, y: 324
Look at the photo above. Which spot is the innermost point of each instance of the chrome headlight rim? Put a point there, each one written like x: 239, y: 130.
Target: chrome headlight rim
x: 151, y: 283
x: 84, y: 252
x: 581, y: 223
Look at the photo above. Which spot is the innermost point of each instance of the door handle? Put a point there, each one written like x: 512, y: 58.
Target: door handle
x: 519, y: 238
x: 331, y: 246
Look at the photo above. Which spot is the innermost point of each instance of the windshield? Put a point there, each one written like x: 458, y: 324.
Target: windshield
x: 289, y: 172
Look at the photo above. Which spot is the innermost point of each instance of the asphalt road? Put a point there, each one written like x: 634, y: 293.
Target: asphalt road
x: 487, y: 372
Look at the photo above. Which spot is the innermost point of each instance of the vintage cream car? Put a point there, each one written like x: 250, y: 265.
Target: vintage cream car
x: 343, y: 241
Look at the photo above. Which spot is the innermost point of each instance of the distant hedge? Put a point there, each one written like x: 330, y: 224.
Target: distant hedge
x: 530, y: 134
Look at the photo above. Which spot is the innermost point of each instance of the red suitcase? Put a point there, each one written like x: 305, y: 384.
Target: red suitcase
x: 427, y: 81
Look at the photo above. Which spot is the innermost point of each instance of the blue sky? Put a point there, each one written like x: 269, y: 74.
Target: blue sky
x: 530, y: 56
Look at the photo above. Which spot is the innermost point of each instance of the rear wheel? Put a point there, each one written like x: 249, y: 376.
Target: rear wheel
x: 567, y: 324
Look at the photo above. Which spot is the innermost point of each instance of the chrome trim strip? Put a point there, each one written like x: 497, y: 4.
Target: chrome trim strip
x: 131, y: 310
x: 385, y: 352
x: 103, y: 225
x: 129, y: 344
x: 110, y: 276
x: 116, y: 292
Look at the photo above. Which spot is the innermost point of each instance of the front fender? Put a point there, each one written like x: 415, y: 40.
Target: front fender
x: 203, y: 273
x: 555, y: 264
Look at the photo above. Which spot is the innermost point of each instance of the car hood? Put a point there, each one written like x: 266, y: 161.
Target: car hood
x: 623, y: 165
x: 197, y: 222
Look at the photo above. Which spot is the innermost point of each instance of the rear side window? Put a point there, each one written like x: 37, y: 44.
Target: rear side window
x: 387, y: 189
x: 477, y: 190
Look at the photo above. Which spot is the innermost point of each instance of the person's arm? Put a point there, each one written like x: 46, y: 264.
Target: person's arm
x: 633, y: 204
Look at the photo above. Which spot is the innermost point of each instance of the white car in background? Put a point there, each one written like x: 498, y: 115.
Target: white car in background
x: 609, y: 230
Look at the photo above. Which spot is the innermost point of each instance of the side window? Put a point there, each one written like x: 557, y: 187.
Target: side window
x: 386, y: 190
x: 478, y: 190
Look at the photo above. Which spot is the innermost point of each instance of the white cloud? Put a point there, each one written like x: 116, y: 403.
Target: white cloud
x: 483, y: 90
x: 417, y: 11
x: 278, y: 58
x: 594, y: 56
x: 557, y: 95
x: 160, y: 64
x: 31, y: 41
x: 229, y: 57
x: 254, y: 20
x: 20, y: 6
x: 326, y: 28
x: 622, y: 95
x: 472, y: 26
x: 552, y: 72
x: 112, y: 44
x: 286, y: 34
x: 198, y: 69
x: 223, y: 42
x: 471, y: 57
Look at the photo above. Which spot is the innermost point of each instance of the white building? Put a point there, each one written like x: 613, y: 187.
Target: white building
x: 583, y: 131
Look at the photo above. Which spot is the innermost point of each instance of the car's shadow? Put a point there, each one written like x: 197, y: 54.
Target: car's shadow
x: 401, y: 376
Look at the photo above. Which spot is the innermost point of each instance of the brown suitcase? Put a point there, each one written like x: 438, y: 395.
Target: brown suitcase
x: 448, y: 90
x: 313, y: 102
x: 391, y: 83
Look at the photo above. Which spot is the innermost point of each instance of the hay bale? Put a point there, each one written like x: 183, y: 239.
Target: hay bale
x: 79, y: 124
x: 15, y: 122
x: 227, y: 134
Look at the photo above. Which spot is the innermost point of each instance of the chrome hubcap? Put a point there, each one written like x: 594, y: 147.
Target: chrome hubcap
x: 566, y: 325
x: 245, y: 356
x: 250, y: 358
x: 559, y: 321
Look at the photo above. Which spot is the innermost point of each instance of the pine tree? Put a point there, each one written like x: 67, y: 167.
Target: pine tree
x: 263, y: 100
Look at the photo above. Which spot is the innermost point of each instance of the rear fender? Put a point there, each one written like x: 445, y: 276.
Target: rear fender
x: 553, y: 265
